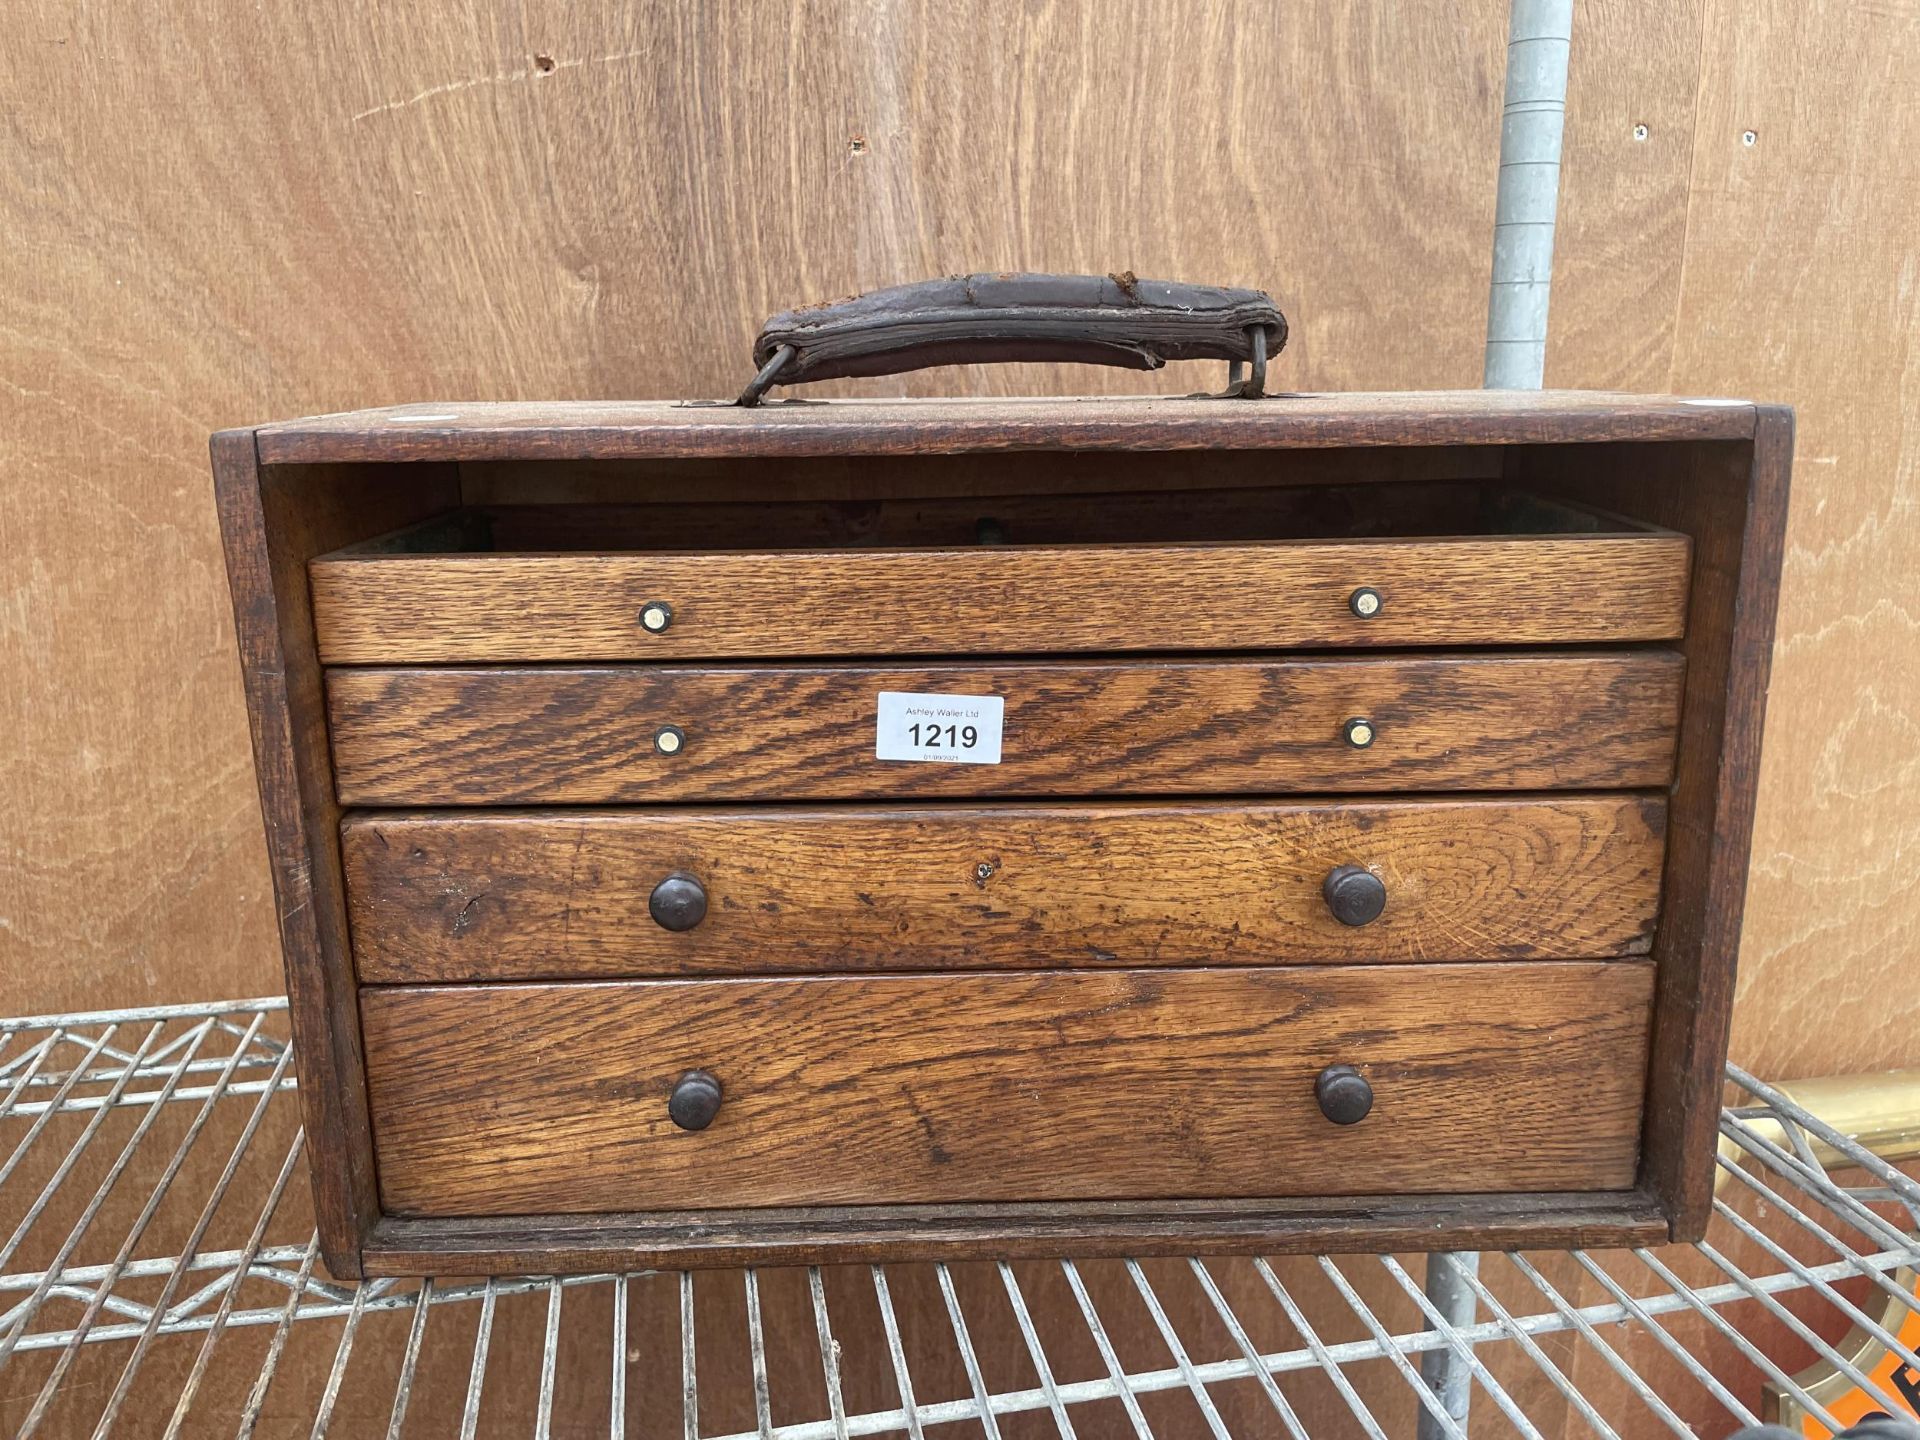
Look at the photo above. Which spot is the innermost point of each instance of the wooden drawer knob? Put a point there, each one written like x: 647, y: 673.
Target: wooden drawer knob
x: 678, y: 902
x: 696, y: 1100
x: 1354, y: 894
x: 1343, y: 1092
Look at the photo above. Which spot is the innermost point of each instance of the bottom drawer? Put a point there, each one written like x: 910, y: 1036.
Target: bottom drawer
x: 1053, y: 1085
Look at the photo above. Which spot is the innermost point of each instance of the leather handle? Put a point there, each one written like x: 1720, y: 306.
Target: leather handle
x: 981, y: 319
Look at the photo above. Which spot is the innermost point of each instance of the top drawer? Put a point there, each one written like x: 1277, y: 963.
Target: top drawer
x: 1250, y: 570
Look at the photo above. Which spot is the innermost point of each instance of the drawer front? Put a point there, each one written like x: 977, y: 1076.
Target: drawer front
x: 538, y: 895
x: 383, y: 609
x: 553, y: 735
x: 548, y: 1099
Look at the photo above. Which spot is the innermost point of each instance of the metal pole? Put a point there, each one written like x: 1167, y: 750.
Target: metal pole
x: 1539, y: 35
x: 1444, y: 1372
x: 1539, y: 38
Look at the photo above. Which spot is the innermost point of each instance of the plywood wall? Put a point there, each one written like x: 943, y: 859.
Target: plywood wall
x: 218, y: 214
x: 1802, y: 280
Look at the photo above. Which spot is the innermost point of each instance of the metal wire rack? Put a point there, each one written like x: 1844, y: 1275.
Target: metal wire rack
x: 158, y: 1276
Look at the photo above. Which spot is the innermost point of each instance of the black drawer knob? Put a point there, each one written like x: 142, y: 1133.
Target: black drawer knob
x: 678, y: 902
x: 696, y: 1100
x: 1365, y: 602
x: 1355, y: 895
x: 656, y: 616
x: 1343, y: 1092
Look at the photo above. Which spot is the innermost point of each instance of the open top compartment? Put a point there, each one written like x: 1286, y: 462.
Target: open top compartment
x: 621, y: 564
x: 1394, y: 510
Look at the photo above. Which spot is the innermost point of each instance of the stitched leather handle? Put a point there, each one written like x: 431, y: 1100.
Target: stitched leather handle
x: 981, y: 319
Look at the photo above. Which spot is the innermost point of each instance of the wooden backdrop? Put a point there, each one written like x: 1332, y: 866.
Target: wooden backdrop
x: 216, y: 213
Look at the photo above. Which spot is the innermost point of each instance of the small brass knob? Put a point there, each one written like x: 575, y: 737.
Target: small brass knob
x: 1359, y: 732
x: 1365, y: 602
x: 1343, y: 1092
x: 656, y: 616
x: 1354, y: 894
x: 678, y: 902
x: 695, y: 1100
x: 669, y: 740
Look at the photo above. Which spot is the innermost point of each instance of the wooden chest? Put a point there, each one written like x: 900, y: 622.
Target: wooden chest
x: 878, y: 829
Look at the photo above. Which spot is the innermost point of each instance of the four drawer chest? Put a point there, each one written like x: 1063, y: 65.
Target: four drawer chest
x: 818, y: 831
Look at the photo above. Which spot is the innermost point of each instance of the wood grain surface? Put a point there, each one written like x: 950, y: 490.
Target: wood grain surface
x: 1082, y: 1230
x: 553, y: 895
x: 273, y: 521
x: 539, y: 735
x: 609, y: 431
x: 403, y: 609
x: 516, y: 1099
x: 1735, y: 498
x: 133, y: 869
x: 1832, y: 918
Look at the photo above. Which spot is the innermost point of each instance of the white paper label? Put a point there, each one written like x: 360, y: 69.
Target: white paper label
x: 949, y: 729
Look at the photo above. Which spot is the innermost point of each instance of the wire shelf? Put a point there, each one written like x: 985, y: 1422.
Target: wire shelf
x: 158, y: 1275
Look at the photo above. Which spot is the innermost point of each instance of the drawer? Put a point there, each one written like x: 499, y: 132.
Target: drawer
x: 489, y: 895
x: 1510, y: 572
x: 578, y: 735
x: 548, y: 1099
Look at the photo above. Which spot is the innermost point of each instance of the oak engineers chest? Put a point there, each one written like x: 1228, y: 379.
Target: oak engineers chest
x: 1336, y: 835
